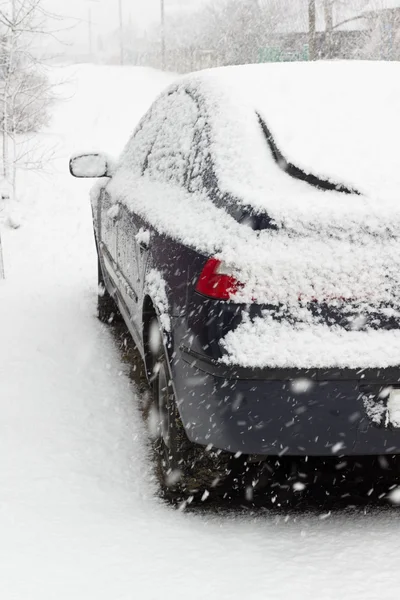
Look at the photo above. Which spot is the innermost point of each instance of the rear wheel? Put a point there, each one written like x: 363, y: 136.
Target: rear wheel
x: 107, y: 310
x: 185, y: 469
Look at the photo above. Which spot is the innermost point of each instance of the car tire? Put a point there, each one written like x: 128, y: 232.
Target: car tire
x: 107, y: 310
x: 185, y: 470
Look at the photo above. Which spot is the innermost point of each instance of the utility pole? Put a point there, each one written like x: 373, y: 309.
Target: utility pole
x: 312, y: 17
x: 328, y: 12
x: 90, y: 26
x: 90, y: 31
x: 121, y: 33
x: 163, y: 57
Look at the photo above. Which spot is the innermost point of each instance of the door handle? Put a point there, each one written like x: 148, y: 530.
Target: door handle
x: 143, y: 239
x: 114, y: 213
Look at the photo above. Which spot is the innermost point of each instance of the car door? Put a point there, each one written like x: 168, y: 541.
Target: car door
x: 108, y: 235
x: 158, y: 151
x: 167, y: 162
x: 134, y: 158
x: 127, y: 263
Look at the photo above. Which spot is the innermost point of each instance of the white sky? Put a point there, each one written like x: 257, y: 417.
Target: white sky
x: 142, y: 12
x: 105, y: 12
x: 105, y: 19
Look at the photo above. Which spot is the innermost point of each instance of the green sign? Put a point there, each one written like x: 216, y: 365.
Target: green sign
x: 277, y: 55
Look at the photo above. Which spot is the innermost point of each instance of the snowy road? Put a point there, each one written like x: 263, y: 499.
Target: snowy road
x: 79, y: 517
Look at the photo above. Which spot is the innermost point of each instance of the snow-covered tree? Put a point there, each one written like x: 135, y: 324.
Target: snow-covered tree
x: 25, y: 93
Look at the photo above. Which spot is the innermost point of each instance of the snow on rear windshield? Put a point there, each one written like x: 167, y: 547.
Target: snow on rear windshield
x: 338, y: 121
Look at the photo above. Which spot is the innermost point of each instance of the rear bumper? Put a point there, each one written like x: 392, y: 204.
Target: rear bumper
x: 272, y: 413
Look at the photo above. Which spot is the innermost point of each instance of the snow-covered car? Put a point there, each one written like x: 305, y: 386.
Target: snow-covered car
x: 249, y: 237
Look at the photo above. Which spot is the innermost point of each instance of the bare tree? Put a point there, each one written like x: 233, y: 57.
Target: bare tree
x: 349, y: 15
x: 25, y: 93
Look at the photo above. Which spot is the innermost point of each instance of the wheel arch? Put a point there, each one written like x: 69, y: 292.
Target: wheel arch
x: 149, y: 311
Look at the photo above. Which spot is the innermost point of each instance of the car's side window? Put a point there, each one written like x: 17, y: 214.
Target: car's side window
x: 200, y: 161
x: 137, y: 150
x: 196, y: 161
x: 168, y: 160
x: 202, y: 175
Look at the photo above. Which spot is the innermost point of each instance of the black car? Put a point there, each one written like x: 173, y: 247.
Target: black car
x: 162, y: 217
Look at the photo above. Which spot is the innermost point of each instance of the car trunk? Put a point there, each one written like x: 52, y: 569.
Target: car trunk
x: 309, y: 300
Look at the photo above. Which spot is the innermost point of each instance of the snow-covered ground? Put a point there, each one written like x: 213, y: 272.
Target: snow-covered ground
x: 79, y: 514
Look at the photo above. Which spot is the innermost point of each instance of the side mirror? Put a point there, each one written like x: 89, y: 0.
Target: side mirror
x: 90, y: 165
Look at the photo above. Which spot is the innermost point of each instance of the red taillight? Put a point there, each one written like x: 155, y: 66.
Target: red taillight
x: 216, y: 284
